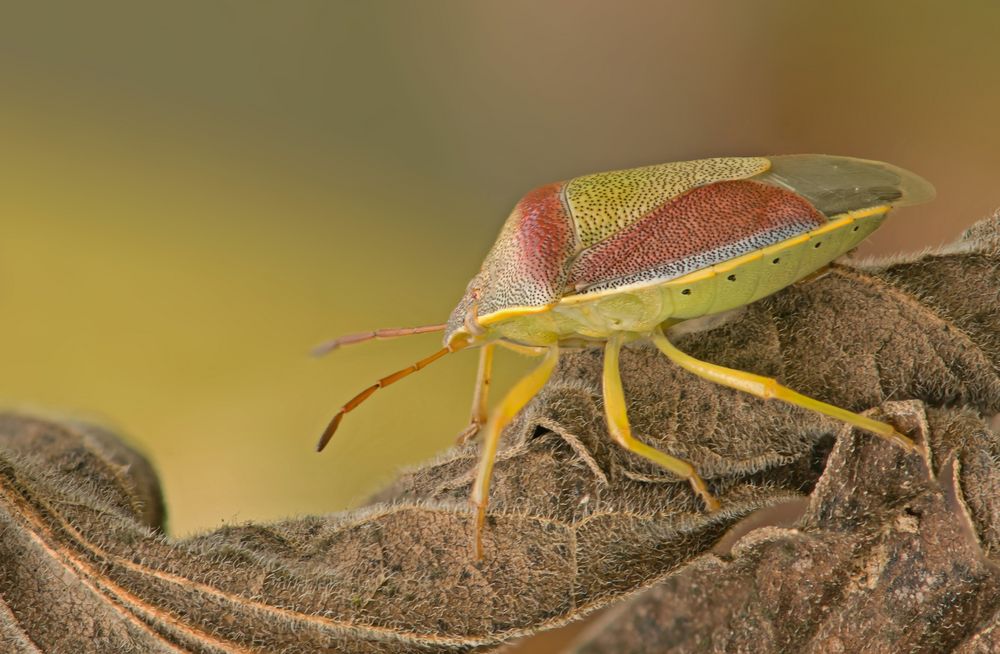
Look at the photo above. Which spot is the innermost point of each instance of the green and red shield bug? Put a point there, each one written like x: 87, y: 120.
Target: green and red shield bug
x: 614, y: 257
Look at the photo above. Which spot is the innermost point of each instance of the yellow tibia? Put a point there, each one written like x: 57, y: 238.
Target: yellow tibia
x: 767, y: 388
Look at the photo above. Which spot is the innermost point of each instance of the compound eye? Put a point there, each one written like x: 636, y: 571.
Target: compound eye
x: 471, y: 321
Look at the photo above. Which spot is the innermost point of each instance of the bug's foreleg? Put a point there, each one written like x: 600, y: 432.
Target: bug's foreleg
x: 767, y: 388
x: 480, y: 396
x: 516, y: 398
x: 621, y: 432
x: 483, y: 379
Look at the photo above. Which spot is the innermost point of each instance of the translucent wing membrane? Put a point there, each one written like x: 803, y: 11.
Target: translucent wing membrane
x: 836, y: 185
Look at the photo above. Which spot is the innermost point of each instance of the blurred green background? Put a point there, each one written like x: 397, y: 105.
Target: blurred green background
x: 193, y: 194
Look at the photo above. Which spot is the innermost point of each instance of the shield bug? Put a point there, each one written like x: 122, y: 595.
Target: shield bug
x: 614, y: 257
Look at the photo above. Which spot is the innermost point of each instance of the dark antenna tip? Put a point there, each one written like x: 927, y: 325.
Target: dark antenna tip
x: 328, y: 433
x: 324, y: 349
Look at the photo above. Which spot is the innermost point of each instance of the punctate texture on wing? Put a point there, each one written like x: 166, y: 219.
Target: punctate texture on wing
x: 603, y: 204
x: 528, y: 264
x: 705, y: 226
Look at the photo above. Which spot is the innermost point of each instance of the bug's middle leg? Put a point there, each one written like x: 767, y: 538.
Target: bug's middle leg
x: 516, y: 398
x: 621, y: 432
x: 767, y: 388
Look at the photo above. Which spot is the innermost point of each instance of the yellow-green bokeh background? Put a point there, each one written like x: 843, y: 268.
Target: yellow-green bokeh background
x: 194, y: 193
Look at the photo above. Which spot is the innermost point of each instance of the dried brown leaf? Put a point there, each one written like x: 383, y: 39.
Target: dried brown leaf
x: 575, y: 523
x: 887, y: 558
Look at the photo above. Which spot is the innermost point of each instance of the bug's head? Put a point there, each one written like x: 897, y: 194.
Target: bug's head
x: 463, y: 328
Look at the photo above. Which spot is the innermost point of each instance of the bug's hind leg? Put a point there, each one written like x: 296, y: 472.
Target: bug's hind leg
x: 767, y: 388
x: 516, y: 398
x: 621, y: 432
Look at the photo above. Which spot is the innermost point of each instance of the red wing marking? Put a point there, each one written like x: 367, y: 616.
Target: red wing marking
x: 705, y: 226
